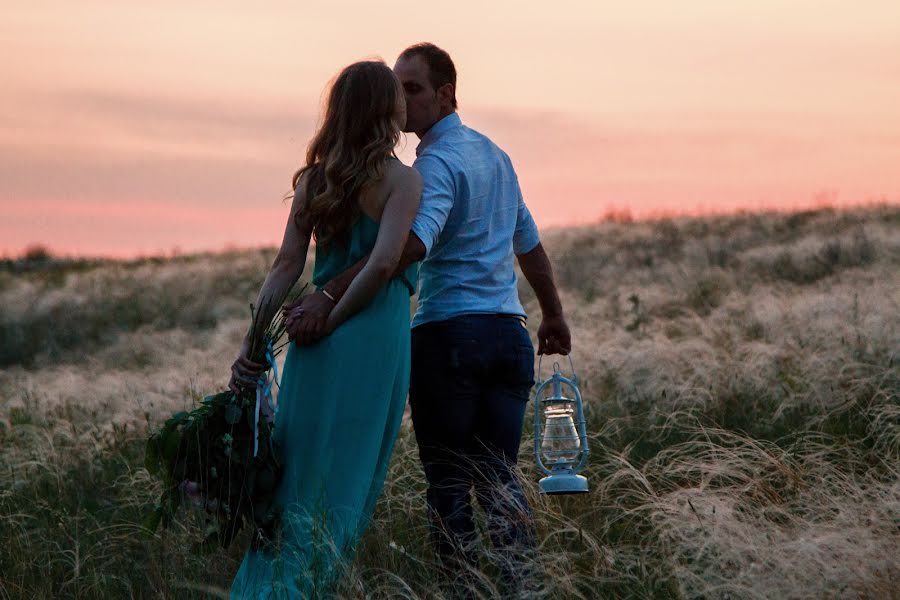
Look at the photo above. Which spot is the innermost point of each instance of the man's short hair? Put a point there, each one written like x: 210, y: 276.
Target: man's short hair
x: 441, y: 70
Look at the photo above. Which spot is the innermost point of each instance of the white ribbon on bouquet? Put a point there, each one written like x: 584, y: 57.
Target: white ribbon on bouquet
x: 264, y: 390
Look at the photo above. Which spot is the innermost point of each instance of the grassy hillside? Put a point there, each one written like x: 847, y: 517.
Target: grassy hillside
x: 743, y: 393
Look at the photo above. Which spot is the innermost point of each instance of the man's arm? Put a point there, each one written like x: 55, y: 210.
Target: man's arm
x: 553, y: 333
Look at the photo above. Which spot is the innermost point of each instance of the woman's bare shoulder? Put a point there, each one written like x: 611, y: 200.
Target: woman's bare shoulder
x: 300, y: 186
x: 400, y: 175
x: 300, y: 203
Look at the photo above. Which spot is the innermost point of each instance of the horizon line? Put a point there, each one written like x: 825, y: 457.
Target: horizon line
x: 612, y: 215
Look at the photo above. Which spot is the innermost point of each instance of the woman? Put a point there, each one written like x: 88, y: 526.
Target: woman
x: 341, y: 400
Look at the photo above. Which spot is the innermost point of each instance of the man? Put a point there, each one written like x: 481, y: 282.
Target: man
x: 472, y: 357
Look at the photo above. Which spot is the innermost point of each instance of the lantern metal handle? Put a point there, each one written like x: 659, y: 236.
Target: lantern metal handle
x: 574, y: 377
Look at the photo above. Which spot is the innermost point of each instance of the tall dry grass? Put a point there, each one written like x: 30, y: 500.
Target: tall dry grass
x: 743, y: 402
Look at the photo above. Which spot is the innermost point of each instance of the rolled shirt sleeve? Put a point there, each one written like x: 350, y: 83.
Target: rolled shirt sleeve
x: 438, y: 191
x: 525, y: 237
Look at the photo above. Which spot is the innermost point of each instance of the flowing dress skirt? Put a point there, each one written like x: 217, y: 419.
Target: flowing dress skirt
x: 338, y: 413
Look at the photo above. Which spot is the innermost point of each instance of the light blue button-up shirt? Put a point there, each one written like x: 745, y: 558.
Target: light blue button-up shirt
x: 472, y: 220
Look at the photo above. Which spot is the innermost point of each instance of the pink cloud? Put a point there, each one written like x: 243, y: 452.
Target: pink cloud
x: 140, y: 174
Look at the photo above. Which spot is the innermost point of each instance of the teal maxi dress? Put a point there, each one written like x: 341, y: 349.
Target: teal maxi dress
x: 338, y: 413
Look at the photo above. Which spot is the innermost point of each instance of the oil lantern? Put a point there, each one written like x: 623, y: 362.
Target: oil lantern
x: 560, y: 439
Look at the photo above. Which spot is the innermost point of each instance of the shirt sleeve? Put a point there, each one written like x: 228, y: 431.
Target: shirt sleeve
x: 438, y: 191
x: 525, y: 237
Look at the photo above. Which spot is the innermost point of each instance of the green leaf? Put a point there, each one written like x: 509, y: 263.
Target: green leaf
x: 232, y: 414
x: 151, y: 455
x: 219, y: 398
x: 177, y: 418
x: 151, y: 520
x: 170, y: 445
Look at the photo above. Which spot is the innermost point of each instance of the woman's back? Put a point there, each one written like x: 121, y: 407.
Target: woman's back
x: 335, y: 258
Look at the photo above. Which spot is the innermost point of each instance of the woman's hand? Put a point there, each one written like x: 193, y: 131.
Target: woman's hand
x: 291, y: 316
x: 306, y: 320
x: 244, y: 372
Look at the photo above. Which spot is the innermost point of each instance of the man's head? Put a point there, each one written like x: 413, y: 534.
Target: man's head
x: 429, y: 81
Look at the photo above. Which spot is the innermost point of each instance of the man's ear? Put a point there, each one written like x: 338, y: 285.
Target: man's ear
x: 445, y: 94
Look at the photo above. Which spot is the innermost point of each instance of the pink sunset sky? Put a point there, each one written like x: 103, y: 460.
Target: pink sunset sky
x: 131, y: 128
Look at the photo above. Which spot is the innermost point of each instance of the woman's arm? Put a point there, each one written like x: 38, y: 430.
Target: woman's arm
x: 285, y: 271
x: 316, y: 307
x: 405, y: 188
x: 289, y: 262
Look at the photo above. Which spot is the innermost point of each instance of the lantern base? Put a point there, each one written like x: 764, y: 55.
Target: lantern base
x: 566, y: 482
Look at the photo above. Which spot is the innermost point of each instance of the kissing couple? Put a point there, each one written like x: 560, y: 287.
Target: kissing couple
x: 451, y: 226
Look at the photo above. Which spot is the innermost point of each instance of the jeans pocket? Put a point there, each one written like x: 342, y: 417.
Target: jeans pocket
x: 523, y: 369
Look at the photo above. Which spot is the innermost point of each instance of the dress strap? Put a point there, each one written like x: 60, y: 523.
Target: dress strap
x: 402, y: 277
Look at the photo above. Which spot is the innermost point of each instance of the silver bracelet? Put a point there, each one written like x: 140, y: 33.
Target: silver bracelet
x: 327, y: 295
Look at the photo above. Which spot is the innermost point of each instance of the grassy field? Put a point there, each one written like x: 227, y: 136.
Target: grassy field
x: 743, y: 391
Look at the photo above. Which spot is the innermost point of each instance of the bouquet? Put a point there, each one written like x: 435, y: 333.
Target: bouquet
x: 222, y: 456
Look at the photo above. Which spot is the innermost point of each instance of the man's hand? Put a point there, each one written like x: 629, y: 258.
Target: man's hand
x: 553, y: 336
x: 306, y: 319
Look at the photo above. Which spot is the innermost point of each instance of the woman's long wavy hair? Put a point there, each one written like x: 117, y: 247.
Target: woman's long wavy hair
x: 347, y: 154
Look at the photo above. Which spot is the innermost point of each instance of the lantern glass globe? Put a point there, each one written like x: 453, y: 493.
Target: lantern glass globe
x: 560, y: 443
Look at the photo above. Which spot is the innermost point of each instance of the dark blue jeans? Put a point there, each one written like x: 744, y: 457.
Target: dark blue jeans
x: 470, y: 383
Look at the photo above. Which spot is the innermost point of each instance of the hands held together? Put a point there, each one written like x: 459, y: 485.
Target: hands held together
x: 306, y: 318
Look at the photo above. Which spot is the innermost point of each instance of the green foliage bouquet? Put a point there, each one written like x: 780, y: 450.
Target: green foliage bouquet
x: 222, y: 456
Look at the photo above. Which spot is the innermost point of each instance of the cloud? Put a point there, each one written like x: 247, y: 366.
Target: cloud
x: 573, y: 170
x: 115, y: 125
x: 203, y: 161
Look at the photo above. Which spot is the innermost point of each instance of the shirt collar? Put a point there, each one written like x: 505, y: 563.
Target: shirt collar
x: 449, y: 122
